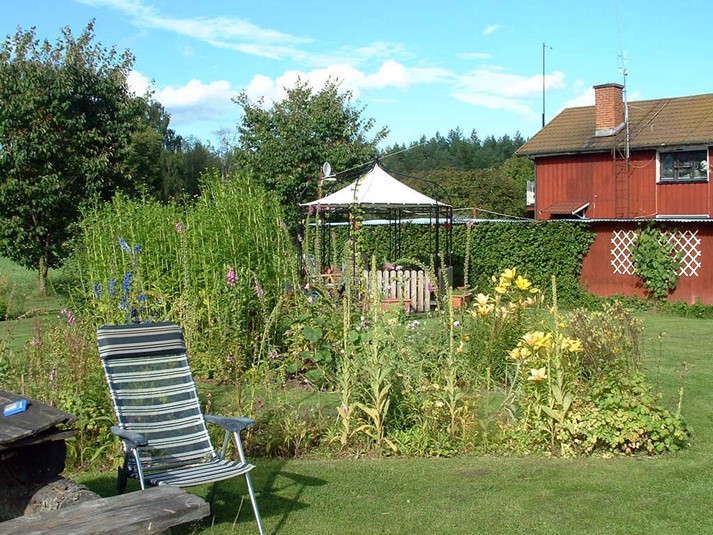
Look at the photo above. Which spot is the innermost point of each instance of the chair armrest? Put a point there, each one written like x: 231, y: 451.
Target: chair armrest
x: 130, y: 438
x: 234, y: 423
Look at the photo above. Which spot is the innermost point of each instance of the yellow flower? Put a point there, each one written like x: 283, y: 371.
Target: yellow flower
x: 522, y: 283
x: 537, y: 340
x: 519, y: 353
x: 393, y: 321
x: 459, y: 349
x: 482, y: 299
x: 509, y: 274
x: 486, y: 309
x: 501, y: 288
x: 538, y: 375
x: 573, y: 345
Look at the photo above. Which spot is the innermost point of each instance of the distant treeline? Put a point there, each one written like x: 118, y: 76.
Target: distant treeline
x: 455, y: 151
x: 481, y: 174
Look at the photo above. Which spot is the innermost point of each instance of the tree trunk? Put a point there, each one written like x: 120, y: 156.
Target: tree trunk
x: 42, y: 279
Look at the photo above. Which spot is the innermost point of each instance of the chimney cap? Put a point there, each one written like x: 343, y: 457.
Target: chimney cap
x: 611, y: 84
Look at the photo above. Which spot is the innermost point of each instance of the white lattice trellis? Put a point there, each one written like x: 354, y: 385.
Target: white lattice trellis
x: 621, y: 241
x: 686, y: 241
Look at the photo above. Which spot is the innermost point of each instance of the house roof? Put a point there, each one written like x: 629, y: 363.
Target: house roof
x: 652, y: 124
x: 566, y: 207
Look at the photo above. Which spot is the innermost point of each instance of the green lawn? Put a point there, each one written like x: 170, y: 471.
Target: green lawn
x: 18, y: 288
x: 468, y: 494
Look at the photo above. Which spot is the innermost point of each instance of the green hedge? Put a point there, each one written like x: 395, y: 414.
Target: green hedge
x: 539, y: 249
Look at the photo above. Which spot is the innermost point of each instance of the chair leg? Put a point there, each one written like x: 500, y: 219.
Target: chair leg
x: 122, y: 475
x: 211, y: 498
x: 251, y: 492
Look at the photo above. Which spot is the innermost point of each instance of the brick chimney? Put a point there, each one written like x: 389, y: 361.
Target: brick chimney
x: 608, y: 109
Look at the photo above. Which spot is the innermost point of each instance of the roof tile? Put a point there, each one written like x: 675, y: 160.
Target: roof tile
x: 652, y: 124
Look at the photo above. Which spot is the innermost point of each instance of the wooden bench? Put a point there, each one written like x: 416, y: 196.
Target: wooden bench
x: 153, y: 510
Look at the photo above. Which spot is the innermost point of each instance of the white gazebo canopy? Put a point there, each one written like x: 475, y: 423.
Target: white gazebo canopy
x: 377, y: 189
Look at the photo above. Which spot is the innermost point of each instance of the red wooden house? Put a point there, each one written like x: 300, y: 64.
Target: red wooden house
x: 618, y: 166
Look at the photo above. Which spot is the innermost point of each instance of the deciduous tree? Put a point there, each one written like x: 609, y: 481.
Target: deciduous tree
x: 284, y: 144
x: 66, y: 120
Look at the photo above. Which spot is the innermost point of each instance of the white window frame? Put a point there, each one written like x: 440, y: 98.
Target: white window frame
x: 678, y: 150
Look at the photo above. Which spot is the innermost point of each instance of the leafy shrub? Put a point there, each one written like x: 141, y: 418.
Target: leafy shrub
x: 656, y: 261
x: 620, y: 414
x: 60, y: 367
x: 610, y: 339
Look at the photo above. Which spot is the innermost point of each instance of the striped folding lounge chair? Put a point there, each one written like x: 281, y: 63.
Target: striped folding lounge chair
x: 161, y: 424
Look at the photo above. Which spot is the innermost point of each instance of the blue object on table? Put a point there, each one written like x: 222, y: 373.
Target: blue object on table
x: 13, y: 408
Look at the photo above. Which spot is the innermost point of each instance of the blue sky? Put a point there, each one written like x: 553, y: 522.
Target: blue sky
x: 418, y: 67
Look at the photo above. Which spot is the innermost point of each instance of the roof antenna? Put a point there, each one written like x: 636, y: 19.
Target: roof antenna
x: 624, y: 70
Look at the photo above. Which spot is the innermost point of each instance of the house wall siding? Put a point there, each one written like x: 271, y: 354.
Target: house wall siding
x: 600, y: 180
x: 599, y: 276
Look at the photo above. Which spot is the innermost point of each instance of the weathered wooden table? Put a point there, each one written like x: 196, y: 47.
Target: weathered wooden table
x: 32, y: 455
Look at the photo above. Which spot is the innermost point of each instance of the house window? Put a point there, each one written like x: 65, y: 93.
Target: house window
x: 683, y: 165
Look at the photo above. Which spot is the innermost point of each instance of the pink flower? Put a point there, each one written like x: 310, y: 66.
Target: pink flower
x: 180, y: 227
x: 231, y: 279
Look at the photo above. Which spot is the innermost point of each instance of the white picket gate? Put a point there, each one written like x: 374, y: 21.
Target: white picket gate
x: 410, y: 284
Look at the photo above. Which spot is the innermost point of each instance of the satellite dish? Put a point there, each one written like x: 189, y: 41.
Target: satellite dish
x: 326, y: 169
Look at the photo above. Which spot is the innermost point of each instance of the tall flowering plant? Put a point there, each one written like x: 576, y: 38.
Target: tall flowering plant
x: 494, y: 322
x: 545, y: 370
x: 125, y: 298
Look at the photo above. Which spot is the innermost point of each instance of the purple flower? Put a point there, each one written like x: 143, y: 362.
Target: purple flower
x: 124, y: 246
x: 126, y: 282
x: 180, y: 227
x: 71, y: 319
x: 311, y: 209
x: 430, y: 287
x: 388, y: 266
x: 97, y: 290
x: 142, y: 297
x: 124, y: 303
x: 111, y: 287
x: 137, y: 248
x: 231, y: 278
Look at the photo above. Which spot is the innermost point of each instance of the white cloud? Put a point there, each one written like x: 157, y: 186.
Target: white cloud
x: 196, y: 100
x: 390, y: 74
x: 138, y: 83
x: 494, y: 89
x: 508, y: 85
x: 224, y: 32
x: 491, y: 29
x: 495, y: 102
x: 585, y: 98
